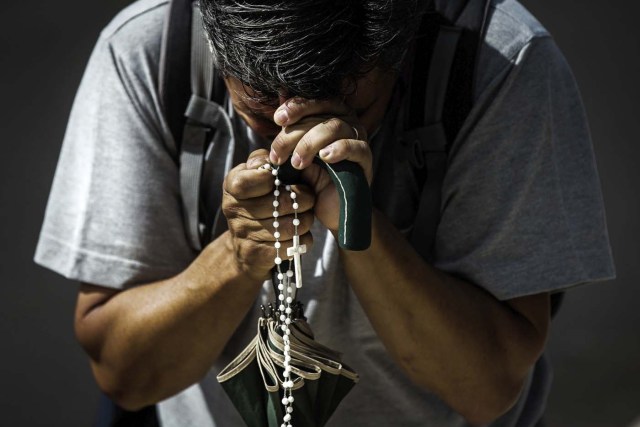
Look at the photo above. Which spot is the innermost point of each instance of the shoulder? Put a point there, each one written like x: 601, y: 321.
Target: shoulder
x: 511, y: 27
x: 513, y: 39
x: 141, y: 18
x: 135, y: 33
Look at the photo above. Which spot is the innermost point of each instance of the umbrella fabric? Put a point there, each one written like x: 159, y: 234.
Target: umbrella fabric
x: 253, y: 380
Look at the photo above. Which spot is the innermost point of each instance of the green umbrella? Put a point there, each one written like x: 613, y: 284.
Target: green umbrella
x: 253, y: 380
x: 280, y: 380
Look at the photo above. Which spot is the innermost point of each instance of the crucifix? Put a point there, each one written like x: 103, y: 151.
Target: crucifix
x: 295, y: 251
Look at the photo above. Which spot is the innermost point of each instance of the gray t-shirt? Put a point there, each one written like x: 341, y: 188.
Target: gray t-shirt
x: 522, y: 211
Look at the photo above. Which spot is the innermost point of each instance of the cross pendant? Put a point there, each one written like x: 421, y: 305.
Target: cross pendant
x: 295, y: 251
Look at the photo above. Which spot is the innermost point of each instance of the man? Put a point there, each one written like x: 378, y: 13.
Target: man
x: 455, y: 341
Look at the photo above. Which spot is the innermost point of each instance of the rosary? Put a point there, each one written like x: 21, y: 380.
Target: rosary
x: 286, y: 290
x: 284, y: 352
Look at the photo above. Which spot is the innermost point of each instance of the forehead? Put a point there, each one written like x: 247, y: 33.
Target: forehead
x: 363, y: 93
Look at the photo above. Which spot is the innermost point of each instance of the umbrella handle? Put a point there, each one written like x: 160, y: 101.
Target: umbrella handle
x: 354, y: 228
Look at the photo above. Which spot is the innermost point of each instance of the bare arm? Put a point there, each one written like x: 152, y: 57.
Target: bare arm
x: 149, y: 342
x: 448, y: 335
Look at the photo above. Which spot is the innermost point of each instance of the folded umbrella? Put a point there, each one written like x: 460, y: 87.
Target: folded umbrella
x: 254, y: 380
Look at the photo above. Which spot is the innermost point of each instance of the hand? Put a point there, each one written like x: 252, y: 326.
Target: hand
x: 247, y: 203
x: 329, y: 129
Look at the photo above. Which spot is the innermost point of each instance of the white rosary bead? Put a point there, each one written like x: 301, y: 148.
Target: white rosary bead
x: 285, y: 319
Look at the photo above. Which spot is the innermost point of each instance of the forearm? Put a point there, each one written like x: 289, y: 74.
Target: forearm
x: 448, y: 335
x: 151, y: 341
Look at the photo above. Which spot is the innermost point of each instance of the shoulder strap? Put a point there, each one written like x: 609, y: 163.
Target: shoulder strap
x: 173, y: 77
x: 186, y: 80
x: 441, y: 99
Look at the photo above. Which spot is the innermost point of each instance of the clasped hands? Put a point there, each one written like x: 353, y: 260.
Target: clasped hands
x: 328, y: 129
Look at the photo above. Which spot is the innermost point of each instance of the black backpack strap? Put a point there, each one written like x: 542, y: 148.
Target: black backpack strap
x: 202, y: 115
x: 441, y: 82
x: 461, y: 90
x: 175, y: 58
x: 187, y: 82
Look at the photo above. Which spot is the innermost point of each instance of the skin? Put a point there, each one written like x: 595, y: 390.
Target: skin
x: 448, y: 335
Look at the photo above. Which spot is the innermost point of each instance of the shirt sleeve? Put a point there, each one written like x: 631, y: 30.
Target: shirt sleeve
x: 522, y: 210
x: 113, y: 217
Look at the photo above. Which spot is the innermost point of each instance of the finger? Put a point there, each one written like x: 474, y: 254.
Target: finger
x: 285, y: 142
x: 257, y: 158
x: 242, y: 183
x: 271, y: 229
x: 350, y: 149
x: 263, y: 207
x: 318, y: 137
x: 294, y: 109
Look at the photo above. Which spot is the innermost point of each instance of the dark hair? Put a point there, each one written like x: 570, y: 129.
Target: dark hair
x: 314, y: 49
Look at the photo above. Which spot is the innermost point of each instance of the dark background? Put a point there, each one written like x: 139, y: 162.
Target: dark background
x: 44, y: 377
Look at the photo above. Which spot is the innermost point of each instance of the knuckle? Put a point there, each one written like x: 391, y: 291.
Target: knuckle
x: 296, y: 105
x: 305, y: 145
x: 362, y: 147
x: 229, y: 209
x: 280, y: 142
x: 238, y: 228
x: 234, y: 184
x: 334, y: 124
